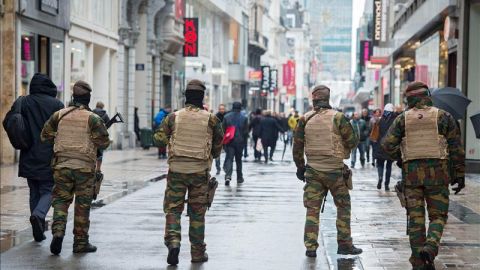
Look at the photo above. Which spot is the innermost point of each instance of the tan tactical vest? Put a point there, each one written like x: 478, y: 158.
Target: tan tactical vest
x: 323, y: 144
x: 422, y: 140
x: 192, y: 137
x: 72, y: 142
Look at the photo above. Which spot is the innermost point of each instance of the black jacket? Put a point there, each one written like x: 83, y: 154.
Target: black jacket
x: 220, y: 116
x: 240, y: 121
x: 255, y: 125
x: 103, y: 114
x: 384, y: 124
x: 269, y: 128
x: 40, y: 104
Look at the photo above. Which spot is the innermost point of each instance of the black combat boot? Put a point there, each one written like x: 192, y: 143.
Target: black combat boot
x: 428, y: 259
x: 202, y: 259
x: 349, y: 250
x: 172, y: 258
x: 311, y: 253
x: 84, y: 248
x: 56, y: 245
x: 37, y: 228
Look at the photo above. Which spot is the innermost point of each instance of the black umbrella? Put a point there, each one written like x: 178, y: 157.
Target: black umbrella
x: 476, y: 123
x: 451, y: 100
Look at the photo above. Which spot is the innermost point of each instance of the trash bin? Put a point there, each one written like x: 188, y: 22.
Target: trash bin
x: 146, y: 138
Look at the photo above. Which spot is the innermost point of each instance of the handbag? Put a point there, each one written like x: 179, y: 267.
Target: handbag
x: 17, y: 127
x: 259, y: 146
x: 375, y: 132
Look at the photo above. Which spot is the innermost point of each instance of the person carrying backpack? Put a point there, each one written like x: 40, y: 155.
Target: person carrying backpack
x: 35, y: 156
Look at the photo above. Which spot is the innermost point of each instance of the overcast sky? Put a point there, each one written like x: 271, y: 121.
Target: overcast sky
x: 358, y: 7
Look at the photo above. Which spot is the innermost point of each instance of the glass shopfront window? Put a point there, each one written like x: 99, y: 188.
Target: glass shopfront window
x: 44, y: 55
x: 431, y: 62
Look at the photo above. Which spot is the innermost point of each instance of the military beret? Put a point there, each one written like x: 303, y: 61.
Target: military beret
x: 416, y: 89
x: 196, y: 85
x: 321, y: 92
x: 81, y: 88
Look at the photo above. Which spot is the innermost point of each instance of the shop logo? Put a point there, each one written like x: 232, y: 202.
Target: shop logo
x: 190, y: 34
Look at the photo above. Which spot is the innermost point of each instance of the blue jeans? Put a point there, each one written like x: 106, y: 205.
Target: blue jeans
x: 361, y: 149
x: 40, y: 197
x: 233, y: 151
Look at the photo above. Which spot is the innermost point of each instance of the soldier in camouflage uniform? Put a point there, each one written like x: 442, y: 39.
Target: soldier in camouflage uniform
x: 326, y: 137
x: 426, y: 142
x: 194, y: 138
x: 77, y: 133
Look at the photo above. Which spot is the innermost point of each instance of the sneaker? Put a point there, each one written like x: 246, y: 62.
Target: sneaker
x: 349, y: 250
x: 227, y: 181
x: 172, y: 258
x: 85, y: 248
x: 37, y: 228
x: 311, y: 253
x: 379, y: 185
x: 56, y: 245
x: 240, y: 180
x: 387, y: 188
x: 218, y: 172
x: 202, y: 259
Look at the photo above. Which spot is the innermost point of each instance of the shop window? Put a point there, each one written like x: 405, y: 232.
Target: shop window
x: 28, y: 60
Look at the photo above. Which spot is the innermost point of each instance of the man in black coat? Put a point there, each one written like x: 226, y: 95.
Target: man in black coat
x: 255, y: 127
x: 269, y: 128
x: 234, y: 149
x: 220, y: 115
x: 35, y: 163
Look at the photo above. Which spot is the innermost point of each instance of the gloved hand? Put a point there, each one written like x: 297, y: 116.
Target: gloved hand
x: 460, y: 182
x: 301, y: 174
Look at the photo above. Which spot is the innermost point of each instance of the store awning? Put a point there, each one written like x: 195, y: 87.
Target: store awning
x: 361, y: 96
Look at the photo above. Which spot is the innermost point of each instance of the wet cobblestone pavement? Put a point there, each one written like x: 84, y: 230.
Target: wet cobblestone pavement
x: 259, y: 225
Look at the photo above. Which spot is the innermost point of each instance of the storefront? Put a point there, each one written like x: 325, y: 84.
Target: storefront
x: 42, y: 28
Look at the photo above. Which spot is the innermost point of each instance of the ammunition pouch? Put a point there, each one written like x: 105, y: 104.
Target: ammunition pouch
x: 212, y: 187
x: 98, y: 184
x: 400, y: 190
x: 347, y: 176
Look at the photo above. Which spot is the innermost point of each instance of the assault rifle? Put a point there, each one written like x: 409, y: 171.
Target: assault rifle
x: 117, y: 118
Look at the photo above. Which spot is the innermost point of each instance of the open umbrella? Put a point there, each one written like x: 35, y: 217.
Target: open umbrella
x: 476, y: 123
x: 451, y: 100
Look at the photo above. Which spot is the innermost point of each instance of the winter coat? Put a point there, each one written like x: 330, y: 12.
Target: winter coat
x: 269, y: 128
x: 360, y: 128
x: 103, y: 114
x: 220, y: 116
x: 240, y: 122
x: 38, y: 106
x: 384, y: 124
x: 255, y: 125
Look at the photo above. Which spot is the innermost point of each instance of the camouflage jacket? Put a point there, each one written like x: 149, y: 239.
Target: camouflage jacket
x: 162, y: 135
x: 99, y: 133
x: 350, y: 139
x: 428, y: 171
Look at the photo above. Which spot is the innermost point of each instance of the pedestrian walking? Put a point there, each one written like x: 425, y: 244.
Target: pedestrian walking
x: 245, y: 146
x: 34, y: 164
x: 269, y: 129
x: 77, y: 133
x: 220, y: 114
x: 99, y: 110
x: 377, y: 113
x: 366, y: 117
x: 361, y: 132
x: 161, y: 115
x: 292, y: 123
x: 383, y: 161
x: 194, y: 137
x: 427, y: 143
x: 255, y: 128
x: 326, y: 137
x: 136, y: 123
x: 239, y: 123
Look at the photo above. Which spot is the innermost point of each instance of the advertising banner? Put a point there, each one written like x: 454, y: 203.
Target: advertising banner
x: 365, y: 51
x: 273, y: 80
x: 265, y: 82
x: 190, y: 34
x: 289, y: 77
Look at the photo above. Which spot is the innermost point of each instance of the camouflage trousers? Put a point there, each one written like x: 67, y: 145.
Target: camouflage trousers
x: 177, y: 186
x: 70, y: 183
x: 436, y: 198
x: 316, y: 188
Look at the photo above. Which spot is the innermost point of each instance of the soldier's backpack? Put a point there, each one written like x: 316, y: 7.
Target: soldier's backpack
x: 17, y: 127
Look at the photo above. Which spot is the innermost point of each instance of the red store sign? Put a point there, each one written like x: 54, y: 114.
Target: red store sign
x: 190, y: 34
